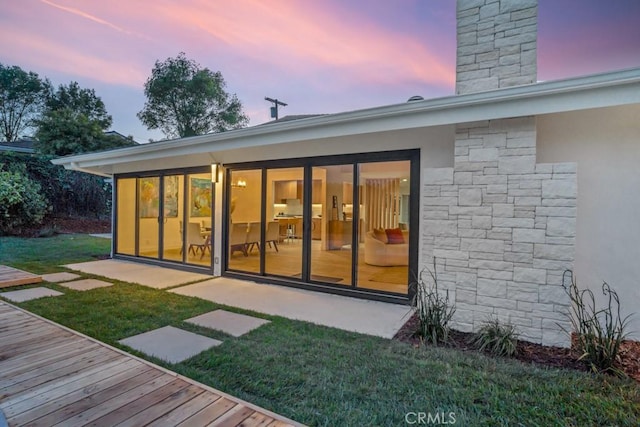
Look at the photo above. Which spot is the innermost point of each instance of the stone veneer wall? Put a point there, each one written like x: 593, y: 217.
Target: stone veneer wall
x: 497, y: 44
x: 502, y: 229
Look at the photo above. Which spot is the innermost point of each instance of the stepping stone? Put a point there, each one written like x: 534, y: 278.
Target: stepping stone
x: 29, y: 294
x: 86, y: 284
x: 171, y: 344
x: 230, y: 323
x: 59, y: 277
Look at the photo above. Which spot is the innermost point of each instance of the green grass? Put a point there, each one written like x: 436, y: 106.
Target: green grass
x: 45, y: 255
x: 323, y: 376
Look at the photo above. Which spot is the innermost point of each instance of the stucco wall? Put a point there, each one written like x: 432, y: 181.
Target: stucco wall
x: 605, y: 143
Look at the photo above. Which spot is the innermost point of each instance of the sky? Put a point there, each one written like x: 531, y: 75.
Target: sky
x: 318, y: 56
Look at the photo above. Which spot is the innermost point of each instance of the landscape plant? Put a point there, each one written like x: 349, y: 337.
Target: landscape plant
x: 21, y: 202
x: 499, y: 339
x: 432, y: 308
x: 599, y: 332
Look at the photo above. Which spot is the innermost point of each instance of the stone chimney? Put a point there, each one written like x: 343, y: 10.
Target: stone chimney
x: 497, y: 44
x: 501, y: 226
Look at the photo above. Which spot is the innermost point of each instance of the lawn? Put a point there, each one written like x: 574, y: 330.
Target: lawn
x: 323, y: 376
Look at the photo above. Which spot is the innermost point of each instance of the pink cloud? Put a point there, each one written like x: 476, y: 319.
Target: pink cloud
x: 42, y: 52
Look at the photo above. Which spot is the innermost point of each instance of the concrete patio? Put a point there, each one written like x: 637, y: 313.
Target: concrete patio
x: 350, y: 314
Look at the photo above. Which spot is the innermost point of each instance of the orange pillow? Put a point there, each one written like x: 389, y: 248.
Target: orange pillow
x: 394, y: 236
x: 380, y: 234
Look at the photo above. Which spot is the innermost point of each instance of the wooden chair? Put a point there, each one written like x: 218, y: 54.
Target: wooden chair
x: 195, y: 240
x: 238, y: 238
x: 273, y: 234
x: 253, y: 236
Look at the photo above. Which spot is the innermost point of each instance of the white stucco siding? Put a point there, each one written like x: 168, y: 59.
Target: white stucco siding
x: 436, y: 144
x: 605, y: 143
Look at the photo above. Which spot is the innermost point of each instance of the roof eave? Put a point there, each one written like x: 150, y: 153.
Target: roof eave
x: 602, y: 90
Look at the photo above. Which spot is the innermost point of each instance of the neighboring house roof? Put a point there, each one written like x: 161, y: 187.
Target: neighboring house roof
x: 291, y: 117
x: 24, y: 145
x: 594, y: 91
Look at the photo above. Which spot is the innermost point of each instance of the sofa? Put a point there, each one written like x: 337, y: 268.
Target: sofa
x: 378, y: 251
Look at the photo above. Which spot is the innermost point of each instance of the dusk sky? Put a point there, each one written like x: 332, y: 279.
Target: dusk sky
x: 319, y: 56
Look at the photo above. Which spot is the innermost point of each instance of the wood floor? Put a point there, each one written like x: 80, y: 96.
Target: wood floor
x: 50, y: 375
x: 10, y: 276
x: 334, y: 264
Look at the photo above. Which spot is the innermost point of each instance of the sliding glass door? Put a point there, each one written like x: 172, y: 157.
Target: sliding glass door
x: 165, y: 216
x: 344, y: 224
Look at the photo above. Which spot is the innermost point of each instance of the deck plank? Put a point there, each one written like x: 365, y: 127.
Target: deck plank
x: 50, y: 375
x: 59, y: 409
x: 84, y: 408
x: 10, y: 276
x: 183, y: 412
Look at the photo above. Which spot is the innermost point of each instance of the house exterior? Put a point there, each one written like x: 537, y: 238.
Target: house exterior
x: 22, y: 146
x: 507, y: 184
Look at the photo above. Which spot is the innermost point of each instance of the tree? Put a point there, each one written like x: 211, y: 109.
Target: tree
x: 22, y: 97
x: 184, y: 99
x: 75, y: 121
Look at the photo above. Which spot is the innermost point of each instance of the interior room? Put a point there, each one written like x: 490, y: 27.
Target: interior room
x: 165, y: 217
x: 377, y: 193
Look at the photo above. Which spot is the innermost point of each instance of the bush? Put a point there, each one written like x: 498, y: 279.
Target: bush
x: 21, y: 202
x: 433, y: 310
x: 69, y: 193
x: 599, y: 332
x: 496, y: 338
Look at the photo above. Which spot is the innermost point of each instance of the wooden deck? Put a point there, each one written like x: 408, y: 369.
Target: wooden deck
x: 51, y: 375
x: 13, y: 277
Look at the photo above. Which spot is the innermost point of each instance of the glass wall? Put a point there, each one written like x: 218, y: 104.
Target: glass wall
x: 198, y: 219
x: 126, y: 216
x: 165, y: 217
x: 244, y: 216
x: 383, y: 232
x: 347, y: 228
x: 331, y: 224
x: 285, y: 222
x: 148, y: 216
x: 172, y: 244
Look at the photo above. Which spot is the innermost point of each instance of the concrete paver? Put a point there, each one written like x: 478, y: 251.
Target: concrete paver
x: 230, y: 323
x: 171, y: 344
x: 142, y: 274
x: 86, y: 284
x: 28, y: 294
x: 59, y: 277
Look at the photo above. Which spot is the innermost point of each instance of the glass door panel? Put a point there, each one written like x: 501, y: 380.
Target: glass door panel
x: 285, y: 219
x: 126, y: 216
x: 244, y: 220
x: 383, y: 226
x: 198, y: 224
x: 331, y: 224
x: 148, y: 216
x: 172, y: 222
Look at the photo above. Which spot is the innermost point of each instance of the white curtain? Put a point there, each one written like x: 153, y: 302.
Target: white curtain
x: 382, y: 203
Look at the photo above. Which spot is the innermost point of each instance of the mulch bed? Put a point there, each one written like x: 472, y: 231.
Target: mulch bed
x: 67, y: 225
x: 555, y: 357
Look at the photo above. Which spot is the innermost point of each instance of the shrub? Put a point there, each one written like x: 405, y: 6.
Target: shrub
x: 69, y: 193
x: 496, y: 338
x: 599, y: 332
x: 20, y: 202
x: 433, y: 310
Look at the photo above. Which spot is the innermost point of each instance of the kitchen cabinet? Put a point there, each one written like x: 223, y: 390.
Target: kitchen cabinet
x: 294, y: 189
x: 316, y: 192
x: 316, y: 228
x: 285, y: 190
